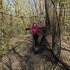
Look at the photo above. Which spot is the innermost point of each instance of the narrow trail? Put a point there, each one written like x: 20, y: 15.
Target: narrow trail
x: 22, y: 57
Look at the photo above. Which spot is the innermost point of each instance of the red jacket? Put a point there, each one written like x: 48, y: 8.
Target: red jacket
x: 35, y: 29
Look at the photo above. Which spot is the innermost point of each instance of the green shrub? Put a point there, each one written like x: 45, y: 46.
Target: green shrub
x: 20, y: 35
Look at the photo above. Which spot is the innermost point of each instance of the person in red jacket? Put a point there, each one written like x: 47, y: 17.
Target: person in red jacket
x: 35, y: 33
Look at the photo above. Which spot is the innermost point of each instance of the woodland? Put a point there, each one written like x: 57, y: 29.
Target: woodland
x: 16, y: 44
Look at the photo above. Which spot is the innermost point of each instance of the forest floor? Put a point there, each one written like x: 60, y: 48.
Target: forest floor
x: 37, y: 61
x: 65, y: 49
x: 64, y: 55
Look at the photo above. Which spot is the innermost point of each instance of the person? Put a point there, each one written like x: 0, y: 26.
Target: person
x: 35, y: 32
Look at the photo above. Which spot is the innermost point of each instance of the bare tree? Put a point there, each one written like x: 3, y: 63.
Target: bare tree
x: 47, y: 21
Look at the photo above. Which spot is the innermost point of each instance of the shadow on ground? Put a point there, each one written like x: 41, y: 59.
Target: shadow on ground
x: 23, y: 57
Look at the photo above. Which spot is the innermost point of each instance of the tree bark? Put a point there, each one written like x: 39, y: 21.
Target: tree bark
x: 47, y: 21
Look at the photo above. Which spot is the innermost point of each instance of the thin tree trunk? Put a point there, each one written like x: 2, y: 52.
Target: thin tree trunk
x: 47, y: 21
x: 2, y: 19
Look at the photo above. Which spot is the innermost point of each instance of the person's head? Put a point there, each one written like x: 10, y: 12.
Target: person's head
x: 34, y: 24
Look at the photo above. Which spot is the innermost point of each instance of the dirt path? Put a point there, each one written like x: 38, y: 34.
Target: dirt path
x: 24, y: 58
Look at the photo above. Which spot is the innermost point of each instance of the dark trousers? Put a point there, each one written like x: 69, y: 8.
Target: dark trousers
x: 36, y: 40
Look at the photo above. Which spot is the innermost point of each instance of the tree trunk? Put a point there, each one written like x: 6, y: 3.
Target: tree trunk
x: 2, y: 19
x: 47, y: 21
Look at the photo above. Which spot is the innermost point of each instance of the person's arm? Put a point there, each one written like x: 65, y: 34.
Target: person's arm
x: 41, y: 27
x: 28, y: 28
